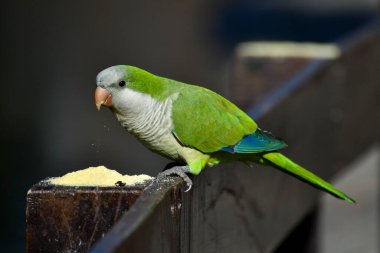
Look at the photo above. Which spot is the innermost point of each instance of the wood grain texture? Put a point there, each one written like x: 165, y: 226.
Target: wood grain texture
x: 72, y: 219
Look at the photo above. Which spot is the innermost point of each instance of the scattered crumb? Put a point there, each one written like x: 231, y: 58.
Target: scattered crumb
x: 98, y: 176
x: 119, y: 184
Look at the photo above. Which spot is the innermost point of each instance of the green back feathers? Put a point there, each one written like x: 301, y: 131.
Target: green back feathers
x: 208, y: 122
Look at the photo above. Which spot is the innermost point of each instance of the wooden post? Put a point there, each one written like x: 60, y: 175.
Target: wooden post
x: 72, y: 219
x: 153, y: 224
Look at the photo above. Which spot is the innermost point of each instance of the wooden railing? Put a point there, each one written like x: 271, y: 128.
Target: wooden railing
x: 327, y: 110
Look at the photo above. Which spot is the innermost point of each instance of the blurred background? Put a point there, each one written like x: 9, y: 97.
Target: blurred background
x: 51, y: 52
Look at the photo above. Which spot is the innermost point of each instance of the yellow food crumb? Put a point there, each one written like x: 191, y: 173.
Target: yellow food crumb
x: 98, y: 176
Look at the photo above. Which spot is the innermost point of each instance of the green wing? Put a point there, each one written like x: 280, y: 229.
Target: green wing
x: 208, y: 122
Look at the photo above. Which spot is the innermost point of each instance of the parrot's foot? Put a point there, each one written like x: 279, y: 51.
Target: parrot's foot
x: 179, y: 171
x: 172, y: 165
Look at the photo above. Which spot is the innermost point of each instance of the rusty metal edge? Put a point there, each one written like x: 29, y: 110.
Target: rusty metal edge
x: 143, y: 208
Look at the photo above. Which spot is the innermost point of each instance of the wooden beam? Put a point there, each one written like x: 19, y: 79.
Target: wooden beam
x: 72, y: 219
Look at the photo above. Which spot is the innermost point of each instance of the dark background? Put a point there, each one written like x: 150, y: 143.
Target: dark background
x: 51, y: 52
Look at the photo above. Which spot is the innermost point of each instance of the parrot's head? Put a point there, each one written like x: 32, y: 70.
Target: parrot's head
x: 116, y: 84
x: 108, y: 81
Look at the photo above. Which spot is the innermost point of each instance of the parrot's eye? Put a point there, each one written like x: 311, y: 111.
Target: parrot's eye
x: 122, y: 83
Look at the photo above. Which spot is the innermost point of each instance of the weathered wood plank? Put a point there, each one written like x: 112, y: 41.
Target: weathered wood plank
x: 152, y: 224
x: 72, y: 219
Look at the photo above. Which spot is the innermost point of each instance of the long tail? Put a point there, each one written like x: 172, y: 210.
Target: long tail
x: 285, y: 164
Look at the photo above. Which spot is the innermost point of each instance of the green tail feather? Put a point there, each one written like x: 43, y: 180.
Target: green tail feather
x: 285, y: 164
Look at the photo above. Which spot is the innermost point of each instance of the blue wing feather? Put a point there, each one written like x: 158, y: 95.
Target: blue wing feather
x: 259, y: 141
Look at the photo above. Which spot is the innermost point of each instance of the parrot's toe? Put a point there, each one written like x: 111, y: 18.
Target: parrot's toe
x: 189, y: 186
x: 179, y: 171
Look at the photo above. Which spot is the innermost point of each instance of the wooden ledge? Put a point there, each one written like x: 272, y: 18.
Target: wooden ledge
x: 72, y: 219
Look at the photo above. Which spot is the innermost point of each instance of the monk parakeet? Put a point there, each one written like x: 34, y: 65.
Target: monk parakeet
x: 192, y: 125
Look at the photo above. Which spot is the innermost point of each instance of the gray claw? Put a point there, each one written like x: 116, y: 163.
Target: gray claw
x: 188, y: 187
x: 181, y: 172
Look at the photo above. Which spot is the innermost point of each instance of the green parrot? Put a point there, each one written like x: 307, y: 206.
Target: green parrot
x: 192, y: 125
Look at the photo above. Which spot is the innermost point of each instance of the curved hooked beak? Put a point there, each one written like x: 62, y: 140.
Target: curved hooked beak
x: 102, y: 97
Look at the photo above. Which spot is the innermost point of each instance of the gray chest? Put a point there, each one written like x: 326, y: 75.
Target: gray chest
x: 150, y: 121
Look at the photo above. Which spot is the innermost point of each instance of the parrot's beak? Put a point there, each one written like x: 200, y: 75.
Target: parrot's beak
x: 102, y: 97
